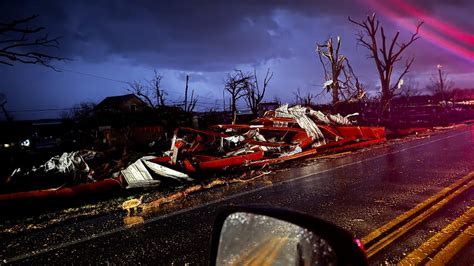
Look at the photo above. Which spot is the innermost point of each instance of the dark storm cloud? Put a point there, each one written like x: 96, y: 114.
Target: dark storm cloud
x: 191, y: 35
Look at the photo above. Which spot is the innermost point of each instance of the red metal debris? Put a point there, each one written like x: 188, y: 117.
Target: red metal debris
x: 280, y: 135
x: 231, y: 161
x: 99, y: 188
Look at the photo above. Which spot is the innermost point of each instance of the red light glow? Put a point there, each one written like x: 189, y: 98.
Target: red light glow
x: 360, y: 245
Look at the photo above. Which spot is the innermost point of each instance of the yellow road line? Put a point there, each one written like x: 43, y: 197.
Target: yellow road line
x: 415, y: 221
x: 260, y: 251
x: 376, y: 233
x: 250, y: 252
x: 436, y: 241
x: 448, y: 252
x: 267, y: 261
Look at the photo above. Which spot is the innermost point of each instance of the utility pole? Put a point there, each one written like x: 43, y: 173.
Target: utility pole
x: 186, y: 94
x: 441, y: 83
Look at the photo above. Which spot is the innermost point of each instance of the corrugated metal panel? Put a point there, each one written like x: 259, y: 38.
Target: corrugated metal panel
x: 137, y: 175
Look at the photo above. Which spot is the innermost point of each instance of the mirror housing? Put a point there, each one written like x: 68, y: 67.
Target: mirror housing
x: 348, y: 249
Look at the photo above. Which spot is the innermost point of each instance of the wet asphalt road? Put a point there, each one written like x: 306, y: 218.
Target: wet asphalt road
x: 359, y: 192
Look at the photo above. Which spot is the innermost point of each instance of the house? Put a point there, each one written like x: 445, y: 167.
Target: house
x: 124, y: 103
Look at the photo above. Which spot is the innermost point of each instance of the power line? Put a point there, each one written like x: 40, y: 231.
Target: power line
x: 114, y: 80
x: 118, y: 81
x: 41, y: 110
x: 93, y: 75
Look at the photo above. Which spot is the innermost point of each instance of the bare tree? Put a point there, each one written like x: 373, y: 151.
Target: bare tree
x: 136, y: 87
x: 385, y: 54
x: 151, y: 92
x: 158, y: 92
x: 339, y: 76
x: 237, y: 84
x: 255, y: 94
x: 305, y: 100
x: 21, y: 43
x: 334, y: 63
x: 440, y: 85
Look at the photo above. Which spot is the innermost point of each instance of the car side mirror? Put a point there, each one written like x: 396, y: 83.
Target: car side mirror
x: 250, y: 236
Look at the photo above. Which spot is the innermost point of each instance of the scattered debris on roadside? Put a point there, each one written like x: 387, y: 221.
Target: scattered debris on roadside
x: 281, y: 135
x: 276, y: 137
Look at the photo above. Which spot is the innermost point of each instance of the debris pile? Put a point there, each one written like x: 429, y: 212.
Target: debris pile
x: 69, y: 165
x: 284, y: 134
x: 67, y: 169
x: 280, y: 135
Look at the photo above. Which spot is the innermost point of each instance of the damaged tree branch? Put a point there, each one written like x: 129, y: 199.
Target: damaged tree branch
x: 254, y: 94
x: 334, y: 65
x: 237, y: 84
x: 20, y: 43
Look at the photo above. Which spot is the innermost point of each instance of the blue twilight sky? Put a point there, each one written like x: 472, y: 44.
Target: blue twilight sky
x: 114, y: 42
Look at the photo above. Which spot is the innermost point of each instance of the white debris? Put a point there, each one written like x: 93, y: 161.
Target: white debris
x: 235, y: 139
x: 320, y: 117
x: 66, y: 163
x: 167, y: 172
x: 299, y: 114
x: 137, y: 175
x: 400, y: 84
x: 341, y: 120
x: 327, y: 83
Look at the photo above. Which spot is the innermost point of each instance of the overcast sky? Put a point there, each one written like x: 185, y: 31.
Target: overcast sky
x: 113, y: 42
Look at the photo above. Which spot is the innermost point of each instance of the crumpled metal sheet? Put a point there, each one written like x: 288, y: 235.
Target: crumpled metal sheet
x: 284, y: 134
x: 68, y: 164
x: 320, y: 116
x: 167, y: 172
x: 139, y: 174
x: 299, y: 114
x: 338, y: 119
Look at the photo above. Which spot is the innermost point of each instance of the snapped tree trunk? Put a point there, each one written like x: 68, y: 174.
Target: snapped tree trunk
x: 335, y: 96
x: 385, y: 100
x: 234, y: 112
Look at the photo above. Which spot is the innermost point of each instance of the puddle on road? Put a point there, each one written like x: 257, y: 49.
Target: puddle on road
x: 133, y: 220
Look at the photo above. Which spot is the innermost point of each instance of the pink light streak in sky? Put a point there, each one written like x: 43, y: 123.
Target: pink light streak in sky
x: 429, y: 28
x: 444, y: 27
